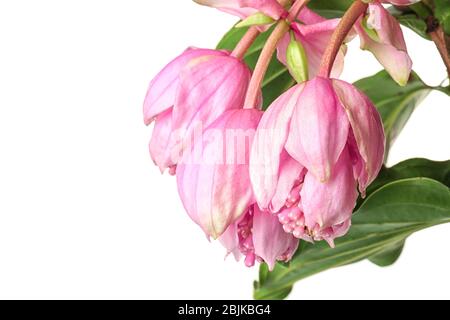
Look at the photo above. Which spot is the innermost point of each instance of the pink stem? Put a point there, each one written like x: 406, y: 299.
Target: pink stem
x: 295, y: 10
x: 357, y: 9
x: 438, y: 37
x: 245, y: 43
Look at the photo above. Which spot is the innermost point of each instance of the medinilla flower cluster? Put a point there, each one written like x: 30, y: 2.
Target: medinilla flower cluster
x: 261, y: 181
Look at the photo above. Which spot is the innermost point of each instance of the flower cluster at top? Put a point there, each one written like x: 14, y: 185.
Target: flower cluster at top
x: 260, y: 181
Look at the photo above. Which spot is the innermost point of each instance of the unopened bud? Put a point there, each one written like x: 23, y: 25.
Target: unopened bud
x: 257, y: 19
x: 297, y: 61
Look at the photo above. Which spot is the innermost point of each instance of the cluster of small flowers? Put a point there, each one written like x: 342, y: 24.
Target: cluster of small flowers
x: 260, y: 181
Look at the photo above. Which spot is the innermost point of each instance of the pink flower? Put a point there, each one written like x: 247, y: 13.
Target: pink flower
x: 213, y: 180
x: 214, y: 186
x: 245, y: 8
x: 259, y: 236
x: 383, y: 36
x: 314, y: 33
x: 190, y: 92
x: 312, y: 148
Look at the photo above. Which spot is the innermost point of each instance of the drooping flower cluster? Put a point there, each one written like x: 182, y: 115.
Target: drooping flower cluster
x: 313, y: 145
x: 260, y: 181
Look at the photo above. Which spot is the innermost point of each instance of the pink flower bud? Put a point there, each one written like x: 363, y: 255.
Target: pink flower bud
x: 213, y: 179
x: 271, y: 242
x: 191, y: 91
x: 245, y: 8
x: 382, y: 35
x: 312, y: 148
x: 162, y: 90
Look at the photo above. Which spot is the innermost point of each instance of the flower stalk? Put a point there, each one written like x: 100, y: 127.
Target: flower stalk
x: 267, y: 52
x: 245, y: 43
x: 357, y: 9
x: 438, y: 36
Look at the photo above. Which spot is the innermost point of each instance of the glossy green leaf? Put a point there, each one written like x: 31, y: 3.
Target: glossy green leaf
x: 264, y: 274
x: 330, y: 8
x: 395, y: 103
x: 439, y: 171
x: 277, y: 79
x: 413, y: 168
x: 388, y: 256
x: 388, y: 217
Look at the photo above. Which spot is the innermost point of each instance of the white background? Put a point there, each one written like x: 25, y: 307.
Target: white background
x: 83, y: 211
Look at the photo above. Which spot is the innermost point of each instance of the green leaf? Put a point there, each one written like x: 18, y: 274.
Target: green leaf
x: 388, y: 217
x: 330, y: 8
x: 264, y: 273
x: 413, y: 22
x: 277, y: 79
x: 395, y: 103
x: 388, y: 256
x: 442, y: 13
x: 413, y: 168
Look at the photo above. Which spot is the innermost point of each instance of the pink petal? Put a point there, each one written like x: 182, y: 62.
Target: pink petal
x: 159, y: 152
x: 245, y: 8
x: 162, y: 89
x: 269, y: 7
x: 396, y: 62
x: 314, y: 38
x: 270, y: 241
x: 230, y: 240
x: 216, y: 190
x: 307, y: 16
x: 319, y: 129
x: 330, y: 204
x: 209, y: 86
x: 289, y: 174
x: 269, y: 144
x: 390, y: 50
x: 336, y: 231
x: 367, y: 128
x: 282, y: 48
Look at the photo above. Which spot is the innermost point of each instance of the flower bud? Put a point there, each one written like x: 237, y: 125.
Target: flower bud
x: 381, y: 34
x: 257, y: 19
x: 297, y: 61
x: 312, y: 148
